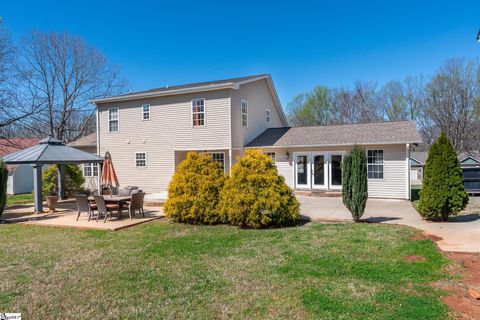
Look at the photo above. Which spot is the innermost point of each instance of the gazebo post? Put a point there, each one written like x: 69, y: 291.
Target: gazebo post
x: 37, y: 188
x: 61, y: 181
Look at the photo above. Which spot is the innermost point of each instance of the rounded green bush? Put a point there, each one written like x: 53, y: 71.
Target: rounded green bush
x: 256, y: 196
x: 73, y: 180
x: 194, y: 191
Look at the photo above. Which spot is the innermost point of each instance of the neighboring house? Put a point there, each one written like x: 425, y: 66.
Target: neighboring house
x: 148, y: 134
x: 469, y: 161
x: 20, y: 177
x: 417, y: 162
x: 90, y: 170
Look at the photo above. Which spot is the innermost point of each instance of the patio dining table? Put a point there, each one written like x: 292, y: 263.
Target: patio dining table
x: 120, y: 200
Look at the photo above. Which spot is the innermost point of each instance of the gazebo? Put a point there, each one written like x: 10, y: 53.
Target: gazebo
x: 47, y: 152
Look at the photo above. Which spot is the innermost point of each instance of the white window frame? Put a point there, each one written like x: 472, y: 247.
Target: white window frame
x: 145, y: 112
x: 204, y: 113
x: 110, y: 120
x: 268, y: 118
x: 376, y: 164
x: 272, y: 155
x: 242, y: 102
x: 223, y: 155
x: 146, y: 159
x: 91, y: 167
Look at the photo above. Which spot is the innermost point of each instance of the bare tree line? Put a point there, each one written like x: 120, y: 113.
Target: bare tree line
x: 448, y: 102
x: 46, y: 82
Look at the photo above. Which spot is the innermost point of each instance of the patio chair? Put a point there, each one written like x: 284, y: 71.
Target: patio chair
x: 105, y: 209
x: 136, y: 204
x: 84, y: 206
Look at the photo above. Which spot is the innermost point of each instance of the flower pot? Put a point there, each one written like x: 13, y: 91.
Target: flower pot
x: 52, y: 203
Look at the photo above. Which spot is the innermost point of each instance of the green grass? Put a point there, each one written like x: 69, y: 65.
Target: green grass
x: 20, y: 199
x: 167, y: 270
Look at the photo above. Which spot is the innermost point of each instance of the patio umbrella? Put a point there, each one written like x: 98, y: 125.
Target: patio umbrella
x: 109, y: 177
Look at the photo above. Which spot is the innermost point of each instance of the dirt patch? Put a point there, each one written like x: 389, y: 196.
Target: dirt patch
x: 462, y: 297
x: 425, y: 236
x: 415, y: 258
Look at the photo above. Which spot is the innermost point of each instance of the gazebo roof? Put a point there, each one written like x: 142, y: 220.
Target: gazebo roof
x: 50, y: 151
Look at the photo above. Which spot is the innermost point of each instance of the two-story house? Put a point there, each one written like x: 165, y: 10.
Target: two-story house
x: 148, y: 134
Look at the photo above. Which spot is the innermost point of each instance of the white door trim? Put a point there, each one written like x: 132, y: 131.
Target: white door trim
x: 310, y: 170
x: 330, y: 154
x: 306, y: 168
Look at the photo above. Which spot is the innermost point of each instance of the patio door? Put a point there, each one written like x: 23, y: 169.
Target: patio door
x: 318, y: 170
x: 302, y: 171
x: 335, y: 171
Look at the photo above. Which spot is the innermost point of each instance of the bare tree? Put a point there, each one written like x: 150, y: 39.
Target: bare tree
x: 453, y: 105
x: 59, y: 74
x: 354, y: 106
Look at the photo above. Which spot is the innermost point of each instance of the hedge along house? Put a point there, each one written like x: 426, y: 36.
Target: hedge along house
x: 148, y: 134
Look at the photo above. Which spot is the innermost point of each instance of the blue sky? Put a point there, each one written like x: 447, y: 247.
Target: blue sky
x: 300, y: 43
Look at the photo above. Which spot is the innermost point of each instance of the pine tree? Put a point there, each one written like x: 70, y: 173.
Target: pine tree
x: 354, y: 182
x: 256, y: 196
x: 442, y: 193
x: 194, y: 191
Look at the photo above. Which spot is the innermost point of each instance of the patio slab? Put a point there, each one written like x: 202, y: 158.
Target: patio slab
x: 66, y: 216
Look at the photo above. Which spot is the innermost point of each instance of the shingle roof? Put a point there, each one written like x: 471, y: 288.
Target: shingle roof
x: 50, y: 151
x: 200, y: 86
x: 86, y: 141
x: 419, y: 156
x: 14, y: 144
x: 347, y: 134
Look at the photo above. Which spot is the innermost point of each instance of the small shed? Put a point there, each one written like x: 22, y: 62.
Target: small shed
x: 47, y: 152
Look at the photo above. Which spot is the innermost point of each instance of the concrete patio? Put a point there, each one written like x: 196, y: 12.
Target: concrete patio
x: 460, y: 234
x: 65, y: 216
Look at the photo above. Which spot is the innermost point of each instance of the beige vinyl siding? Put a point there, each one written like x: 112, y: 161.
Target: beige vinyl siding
x: 394, y: 184
x: 259, y: 98
x: 168, y: 130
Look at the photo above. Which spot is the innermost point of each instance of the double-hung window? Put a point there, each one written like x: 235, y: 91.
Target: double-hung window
x: 268, y: 116
x: 146, y: 112
x: 244, y: 113
x: 140, y: 159
x: 90, y: 170
x: 113, y: 119
x: 198, y: 112
x: 375, y: 164
x: 219, y: 157
x: 271, y: 155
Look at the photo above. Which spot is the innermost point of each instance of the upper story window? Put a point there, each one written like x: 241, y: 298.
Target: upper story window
x: 113, y: 119
x: 244, y: 113
x: 140, y: 159
x: 271, y: 155
x: 146, y: 112
x: 375, y: 164
x: 268, y: 116
x: 90, y: 170
x: 198, y: 112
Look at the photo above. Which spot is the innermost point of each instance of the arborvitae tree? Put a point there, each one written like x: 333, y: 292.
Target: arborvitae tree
x: 194, y: 191
x: 256, y: 196
x: 354, y: 182
x: 3, y: 186
x: 442, y: 193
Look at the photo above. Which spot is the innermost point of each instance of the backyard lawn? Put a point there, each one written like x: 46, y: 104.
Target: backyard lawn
x: 20, y: 199
x: 167, y: 270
